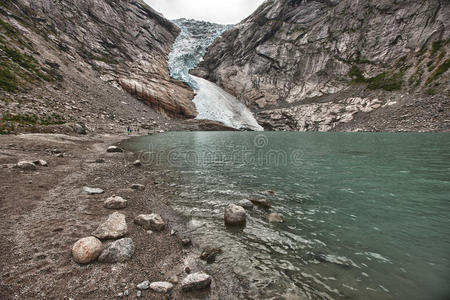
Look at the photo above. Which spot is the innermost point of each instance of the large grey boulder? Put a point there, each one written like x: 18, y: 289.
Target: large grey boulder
x: 114, y: 227
x: 150, y: 222
x: 118, y: 251
x: 86, y: 250
x: 235, y: 215
x: 196, y: 281
x: 115, y: 202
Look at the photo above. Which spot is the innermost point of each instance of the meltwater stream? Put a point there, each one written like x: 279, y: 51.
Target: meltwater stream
x: 211, y: 102
x: 367, y: 215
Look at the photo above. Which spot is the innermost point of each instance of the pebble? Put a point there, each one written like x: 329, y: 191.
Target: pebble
x: 115, y: 202
x: 196, y: 281
x: 150, y: 222
x: 139, y: 294
x: 85, y: 190
x: 114, y: 149
x: 138, y: 187
x: 143, y: 285
x: 161, y: 286
x: 137, y: 163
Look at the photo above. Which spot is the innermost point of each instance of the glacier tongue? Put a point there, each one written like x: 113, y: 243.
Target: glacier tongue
x: 211, y: 102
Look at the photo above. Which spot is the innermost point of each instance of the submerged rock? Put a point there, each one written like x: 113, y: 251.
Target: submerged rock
x: 235, y: 215
x: 245, y: 203
x: 115, y: 202
x: 118, y: 251
x: 152, y: 221
x: 210, y: 254
x: 85, y: 190
x: 161, y: 286
x: 261, y: 202
x: 196, y: 281
x: 274, y: 218
x: 114, y: 149
x: 114, y: 227
x: 86, y: 250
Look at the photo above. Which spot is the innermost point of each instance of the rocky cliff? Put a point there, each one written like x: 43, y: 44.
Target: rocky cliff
x: 318, y: 65
x: 63, y: 49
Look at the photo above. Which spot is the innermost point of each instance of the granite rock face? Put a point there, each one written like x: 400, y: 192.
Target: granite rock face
x: 126, y: 42
x: 289, y: 53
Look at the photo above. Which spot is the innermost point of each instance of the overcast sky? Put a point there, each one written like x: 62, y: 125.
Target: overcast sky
x: 217, y: 11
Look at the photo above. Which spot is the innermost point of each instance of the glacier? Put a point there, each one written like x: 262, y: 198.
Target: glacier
x: 211, y: 101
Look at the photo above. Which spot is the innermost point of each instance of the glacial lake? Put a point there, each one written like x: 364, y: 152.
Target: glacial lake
x: 366, y: 215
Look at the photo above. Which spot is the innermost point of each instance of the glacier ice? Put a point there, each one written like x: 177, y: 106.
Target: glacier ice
x: 211, y: 102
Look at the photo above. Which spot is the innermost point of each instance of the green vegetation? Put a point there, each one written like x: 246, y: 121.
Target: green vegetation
x: 8, y: 80
x: 382, y: 81
x: 439, y: 71
x: 435, y: 46
x: 25, y: 61
x: 25, y: 119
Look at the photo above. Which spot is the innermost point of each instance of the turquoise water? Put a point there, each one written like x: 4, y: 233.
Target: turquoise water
x: 367, y: 215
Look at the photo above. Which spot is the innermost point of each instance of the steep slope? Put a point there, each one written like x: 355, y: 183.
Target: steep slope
x: 77, y: 51
x: 315, y: 65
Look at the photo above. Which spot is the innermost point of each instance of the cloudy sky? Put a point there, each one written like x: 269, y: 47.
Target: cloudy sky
x: 217, y: 11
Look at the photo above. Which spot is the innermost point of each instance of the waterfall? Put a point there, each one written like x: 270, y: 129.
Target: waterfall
x: 212, y: 102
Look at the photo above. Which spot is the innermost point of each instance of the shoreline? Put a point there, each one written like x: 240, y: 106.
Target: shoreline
x: 44, y: 214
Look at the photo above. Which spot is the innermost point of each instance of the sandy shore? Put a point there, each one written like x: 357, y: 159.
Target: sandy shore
x: 43, y: 214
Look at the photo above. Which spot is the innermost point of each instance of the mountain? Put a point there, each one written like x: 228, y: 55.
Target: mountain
x: 339, y: 65
x: 68, y: 61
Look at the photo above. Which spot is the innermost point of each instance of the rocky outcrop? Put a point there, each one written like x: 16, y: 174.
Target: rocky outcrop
x: 290, y: 53
x: 126, y: 42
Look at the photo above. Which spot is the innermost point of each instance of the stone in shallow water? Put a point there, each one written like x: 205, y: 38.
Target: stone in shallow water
x: 196, y: 281
x: 118, y: 251
x: 261, y: 202
x: 115, y: 202
x: 161, y: 286
x: 245, y: 203
x: 137, y: 163
x: 151, y: 221
x: 86, y: 250
x: 235, y: 215
x: 114, y: 227
x: 209, y: 254
x: 274, y: 218
x: 91, y: 191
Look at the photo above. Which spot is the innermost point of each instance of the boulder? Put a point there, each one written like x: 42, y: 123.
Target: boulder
x: 114, y: 227
x: 26, y: 165
x: 245, y: 203
x: 150, y: 222
x: 144, y: 285
x: 118, y: 251
x: 274, y: 218
x: 85, y: 190
x: 138, y: 187
x: 115, y: 202
x: 86, y: 250
x: 235, y: 215
x: 161, y: 287
x: 114, y: 149
x: 261, y: 202
x: 196, y: 281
